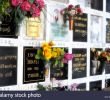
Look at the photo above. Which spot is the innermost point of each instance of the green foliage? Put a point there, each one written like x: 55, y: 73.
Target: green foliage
x: 41, y: 87
x: 4, y: 5
x: 31, y: 1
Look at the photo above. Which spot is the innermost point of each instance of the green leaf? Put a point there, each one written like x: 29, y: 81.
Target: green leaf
x: 31, y: 1
x: 37, y: 56
x: 39, y: 52
x: 62, y: 64
x: 56, y: 62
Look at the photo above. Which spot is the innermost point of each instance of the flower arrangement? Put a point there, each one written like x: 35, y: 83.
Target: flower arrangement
x: 18, y: 9
x: 99, y: 60
x: 101, y: 55
x: 69, y: 12
x: 54, y: 55
x: 47, y: 52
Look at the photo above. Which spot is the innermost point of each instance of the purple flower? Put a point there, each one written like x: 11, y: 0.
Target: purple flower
x: 74, y: 87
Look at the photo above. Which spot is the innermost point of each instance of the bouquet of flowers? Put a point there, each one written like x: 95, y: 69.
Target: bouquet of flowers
x: 54, y: 55
x: 18, y: 9
x: 47, y: 53
x: 101, y: 55
x: 69, y: 12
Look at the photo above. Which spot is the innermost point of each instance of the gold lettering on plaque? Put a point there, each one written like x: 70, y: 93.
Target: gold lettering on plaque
x: 33, y: 27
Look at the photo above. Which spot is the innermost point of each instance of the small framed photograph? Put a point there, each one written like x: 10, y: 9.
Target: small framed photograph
x: 57, y: 29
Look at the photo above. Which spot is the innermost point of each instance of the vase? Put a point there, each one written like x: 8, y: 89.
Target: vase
x: 47, y: 67
x: 71, y: 22
x: 98, y: 67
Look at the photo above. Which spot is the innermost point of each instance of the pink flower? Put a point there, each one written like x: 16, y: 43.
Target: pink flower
x: 25, y: 6
x: 33, y: 7
x: 74, y: 87
x: 70, y: 7
x: 40, y: 3
x: 36, y: 12
x: 68, y: 56
x: 15, y: 2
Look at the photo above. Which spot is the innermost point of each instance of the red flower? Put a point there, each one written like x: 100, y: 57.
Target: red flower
x: 36, y: 12
x: 40, y: 3
x: 79, y: 10
x: 15, y: 2
x: 67, y: 57
x: 25, y: 6
x: 70, y: 7
x: 33, y: 6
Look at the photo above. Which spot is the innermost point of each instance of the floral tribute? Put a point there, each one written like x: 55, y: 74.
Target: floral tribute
x: 49, y: 53
x: 28, y: 7
x: 101, y: 55
x: 69, y: 12
x: 18, y: 9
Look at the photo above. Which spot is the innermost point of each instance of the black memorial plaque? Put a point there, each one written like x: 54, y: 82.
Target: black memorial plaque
x: 79, y: 63
x: 107, y: 83
x: 80, y: 28
x: 33, y: 70
x: 107, y: 63
x: 107, y: 67
x: 96, y: 86
x: 58, y: 72
x: 108, y: 31
x: 8, y: 66
x: 108, y: 6
x: 8, y: 27
x: 97, y: 4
